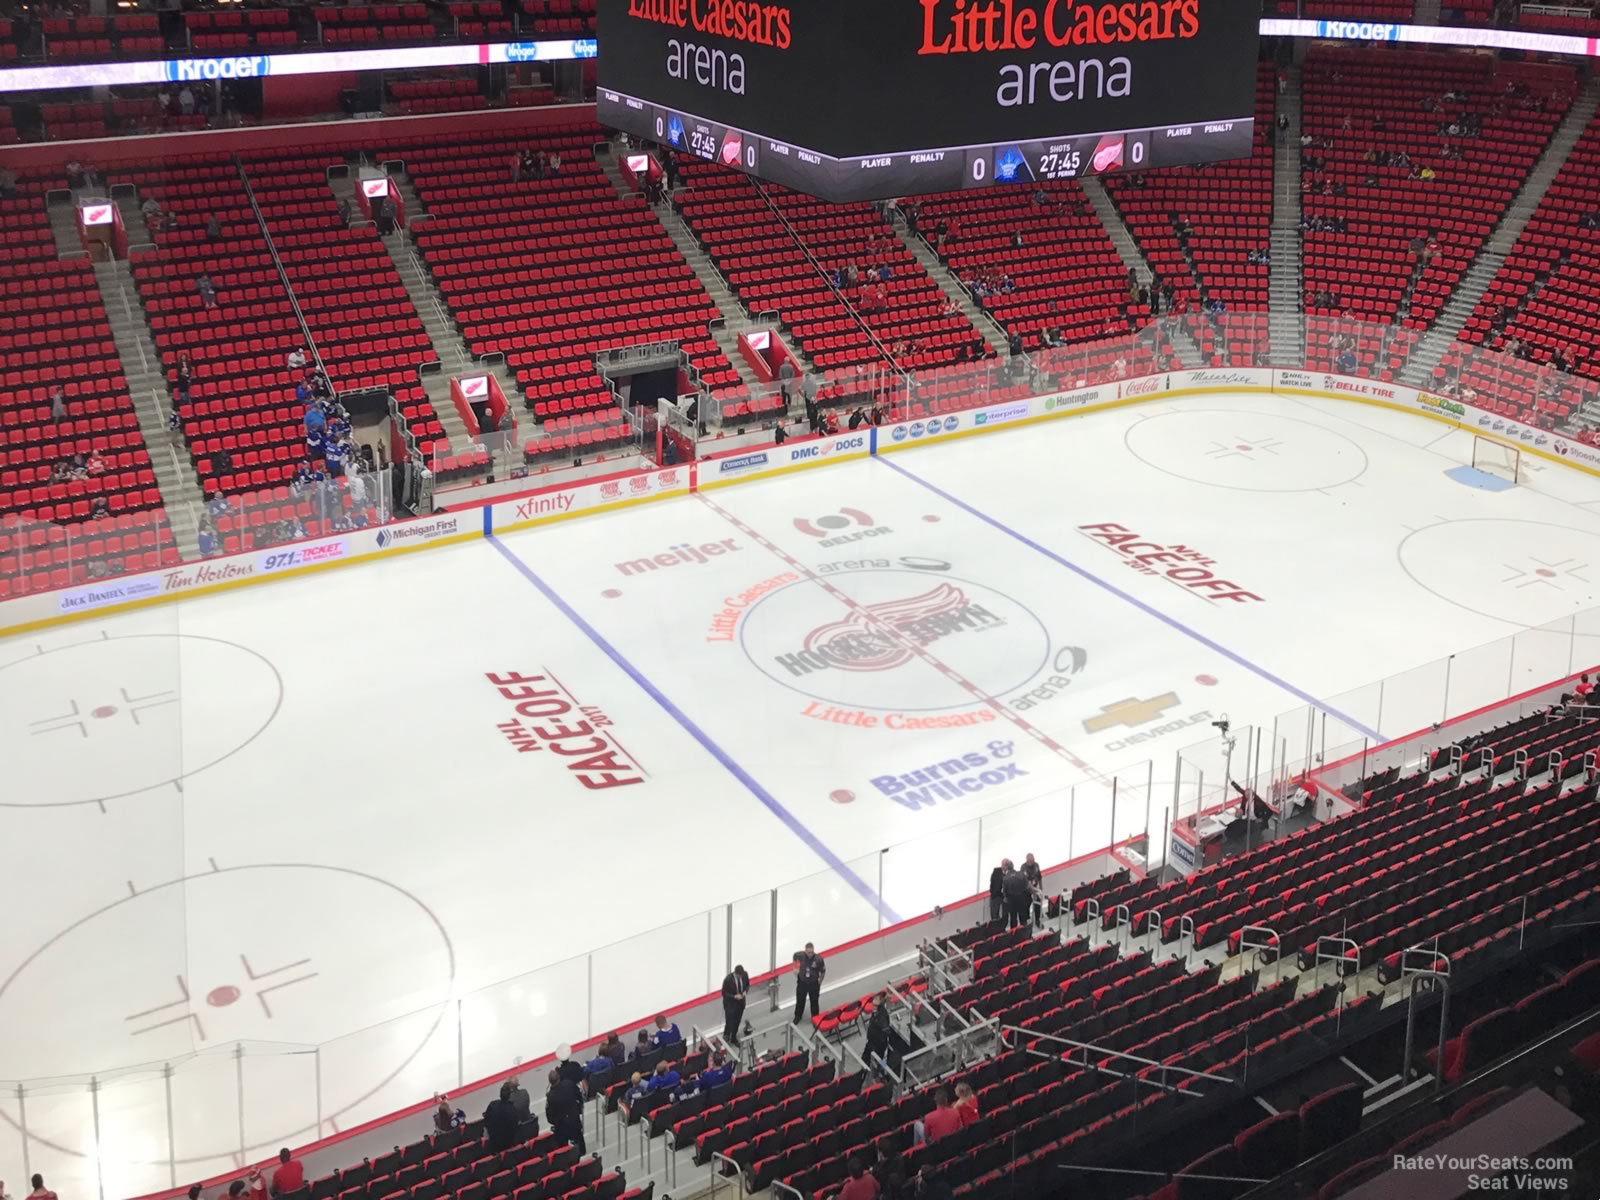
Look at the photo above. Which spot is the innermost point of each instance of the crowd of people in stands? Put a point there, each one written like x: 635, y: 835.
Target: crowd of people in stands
x: 535, y: 165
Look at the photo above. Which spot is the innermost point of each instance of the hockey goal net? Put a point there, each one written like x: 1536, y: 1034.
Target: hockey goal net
x: 1497, y: 458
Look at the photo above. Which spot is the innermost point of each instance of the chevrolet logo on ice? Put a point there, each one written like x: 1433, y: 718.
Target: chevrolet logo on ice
x: 1130, y: 712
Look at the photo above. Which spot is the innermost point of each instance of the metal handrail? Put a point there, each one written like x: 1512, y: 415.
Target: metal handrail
x: 1089, y: 1048
x: 718, y: 1157
x: 1323, y: 956
x: 1274, y: 943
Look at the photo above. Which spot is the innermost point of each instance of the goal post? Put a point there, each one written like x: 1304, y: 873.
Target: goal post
x: 1496, y: 458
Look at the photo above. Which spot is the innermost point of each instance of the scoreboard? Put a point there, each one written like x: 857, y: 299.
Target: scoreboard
x: 862, y: 99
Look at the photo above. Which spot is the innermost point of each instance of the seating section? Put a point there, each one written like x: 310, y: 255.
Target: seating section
x: 1381, y: 243
x: 362, y: 321
x: 357, y: 24
x: 1438, y: 858
x: 558, y: 18
x: 792, y: 273
x: 410, y: 96
x: 268, y: 29
x: 57, y: 336
x: 77, y: 38
x: 1065, y: 273
x: 460, y: 1165
x: 1541, y: 312
x: 551, y: 272
x: 1360, y: 10
x: 243, y: 423
x: 1200, y: 228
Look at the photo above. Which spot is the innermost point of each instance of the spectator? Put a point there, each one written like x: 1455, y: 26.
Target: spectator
x: 966, y: 1104
x: 185, y: 377
x: 40, y: 1192
x: 8, y: 184
x: 513, y: 1091
x: 943, y: 1120
x: 567, y: 1067
x: 563, y: 1108
x: 642, y: 1049
x: 1583, y: 689
x: 58, y: 404
x: 553, y: 163
x: 714, y: 1076
x: 207, y: 290
x: 444, y: 1117
x: 860, y: 1185
x: 186, y: 101
x: 1035, y: 878
x: 858, y: 418
x: 95, y: 465
x: 665, y: 1078
x: 99, y: 507
x: 614, y: 1049
x: 206, y: 536
x: 666, y: 1033
x: 890, y: 1171
x: 931, y: 1186
x: 290, y: 1175
x: 1017, y: 895
x: 297, y: 359
x: 780, y: 435
x: 877, y: 1046
x: 150, y: 210
x: 735, y: 988
x: 810, y: 967
x: 213, y: 228
x: 500, y: 1123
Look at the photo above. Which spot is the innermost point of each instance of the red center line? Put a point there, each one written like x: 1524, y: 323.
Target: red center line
x: 921, y: 652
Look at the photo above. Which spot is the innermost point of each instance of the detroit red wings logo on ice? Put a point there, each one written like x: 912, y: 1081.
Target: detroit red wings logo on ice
x: 886, y: 635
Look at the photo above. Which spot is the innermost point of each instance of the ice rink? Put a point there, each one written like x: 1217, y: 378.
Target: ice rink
x: 388, y: 811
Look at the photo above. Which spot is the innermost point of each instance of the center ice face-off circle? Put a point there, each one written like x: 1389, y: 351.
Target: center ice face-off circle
x: 272, y: 955
x: 1247, y: 451
x: 114, y: 717
x: 868, y: 642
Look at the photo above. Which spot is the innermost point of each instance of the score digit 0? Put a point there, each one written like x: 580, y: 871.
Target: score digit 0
x: 980, y: 168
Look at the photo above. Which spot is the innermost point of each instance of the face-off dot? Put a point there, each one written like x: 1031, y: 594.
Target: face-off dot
x: 932, y: 519
x: 104, y: 711
x: 221, y: 997
x: 842, y: 796
x: 611, y: 593
x: 833, y: 522
x: 1206, y: 680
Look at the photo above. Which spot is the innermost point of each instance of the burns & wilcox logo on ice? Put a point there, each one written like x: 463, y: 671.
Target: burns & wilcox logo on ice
x: 831, y: 528
x: 1181, y: 565
x: 952, y: 778
x: 881, y: 637
x: 550, y: 720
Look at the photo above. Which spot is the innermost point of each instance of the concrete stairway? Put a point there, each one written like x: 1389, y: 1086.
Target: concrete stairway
x: 993, y: 332
x: 141, y: 364
x: 62, y: 208
x: 1133, y: 258
x: 133, y: 217
x: 736, y: 319
x: 1492, y: 256
x: 1285, y: 284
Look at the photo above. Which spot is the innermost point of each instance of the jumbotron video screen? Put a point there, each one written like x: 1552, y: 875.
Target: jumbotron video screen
x: 866, y: 99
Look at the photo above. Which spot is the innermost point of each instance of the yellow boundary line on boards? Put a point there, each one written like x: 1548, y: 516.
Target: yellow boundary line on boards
x: 211, y: 589
x: 630, y: 502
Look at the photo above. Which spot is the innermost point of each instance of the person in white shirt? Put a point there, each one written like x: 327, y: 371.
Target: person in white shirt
x: 297, y: 359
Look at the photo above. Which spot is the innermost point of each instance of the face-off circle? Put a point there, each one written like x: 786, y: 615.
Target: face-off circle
x: 289, y: 954
x: 100, y: 720
x: 895, y: 640
x: 1246, y: 451
x: 1543, y: 572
